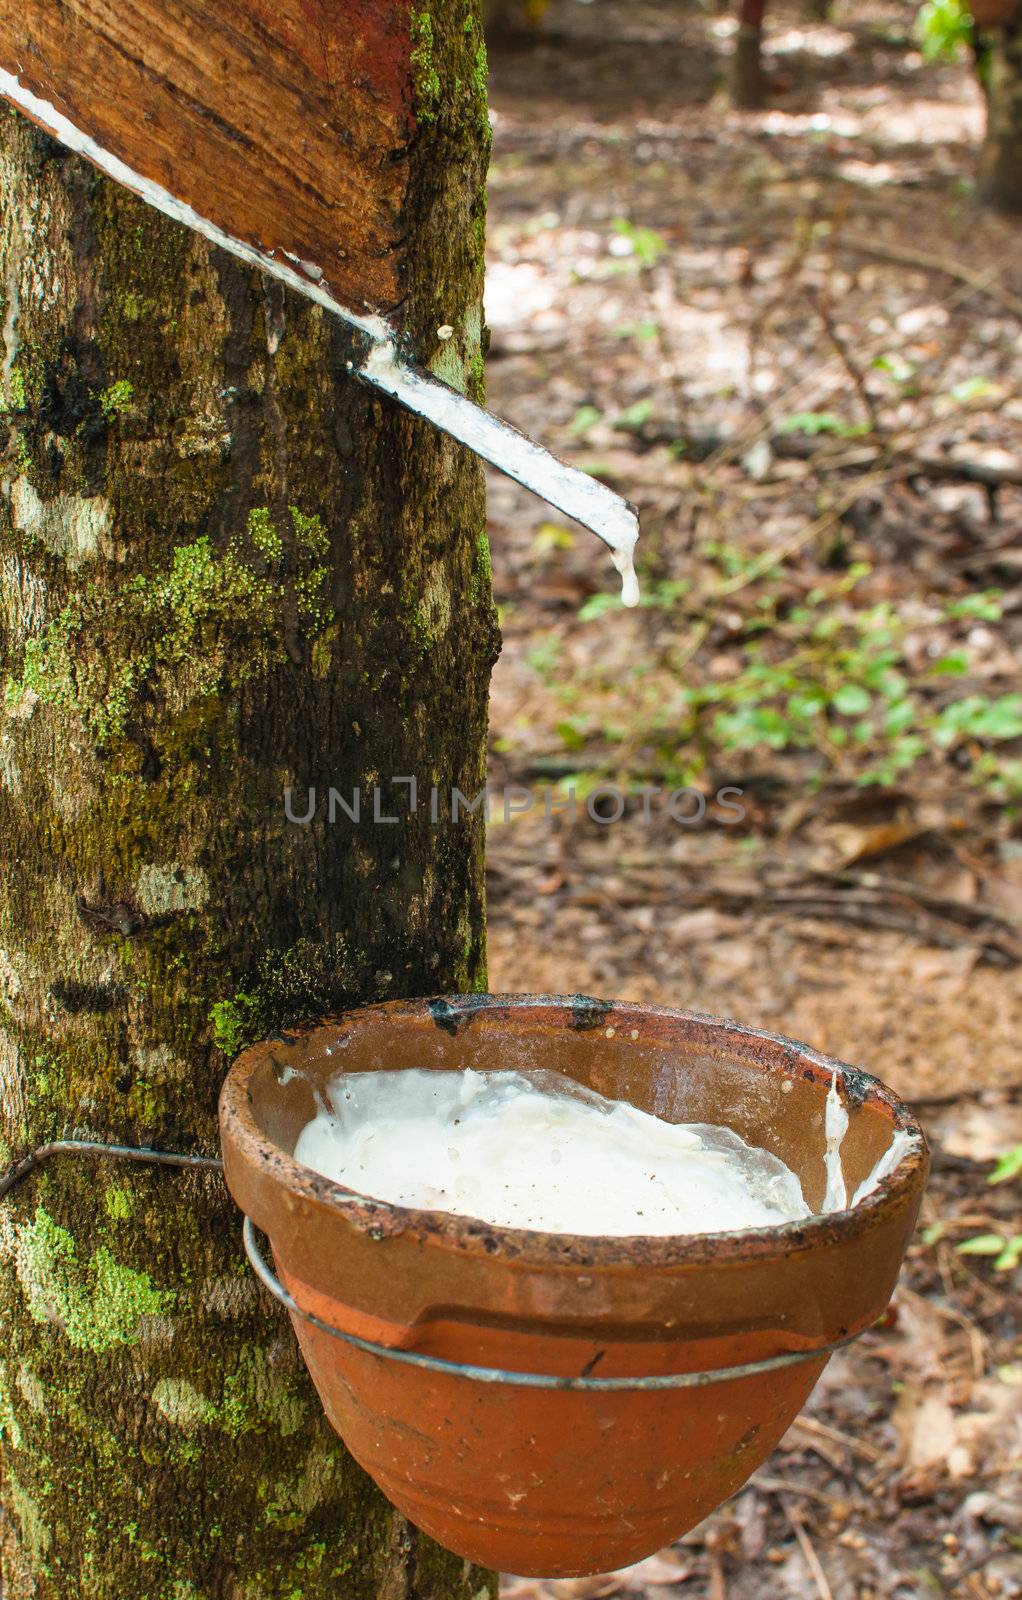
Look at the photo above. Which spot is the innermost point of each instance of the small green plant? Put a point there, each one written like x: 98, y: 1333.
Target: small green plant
x: 647, y: 246
x: 1006, y: 1249
x: 900, y: 371
x: 572, y: 733
x: 544, y: 658
x: 232, y: 1022
x: 735, y: 563
x: 263, y: 534
x: 944, y: 29
x: 971, y: 389
x: 985, y: 605
x: 645, y: 331
x: 425, y: 75
x: 977, y: 717
x: 1007, y: 1166
x: 826, y: 675
x: 15, y: 400
x: 634, y: 417
x: 1007, y: 1252
x: 585, y: 417
x: 552, y: 536
x: 816, y: 422
x: 659, y: 596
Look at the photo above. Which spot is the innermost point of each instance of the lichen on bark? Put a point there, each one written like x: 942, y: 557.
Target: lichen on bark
x: 224, y: 569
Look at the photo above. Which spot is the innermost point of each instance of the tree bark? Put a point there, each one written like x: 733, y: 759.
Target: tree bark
x: 225, y: 569
x: 748, y: 84
x: 1000, y: 163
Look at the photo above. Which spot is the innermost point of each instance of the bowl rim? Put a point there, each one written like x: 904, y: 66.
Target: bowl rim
x: 472, y: 1235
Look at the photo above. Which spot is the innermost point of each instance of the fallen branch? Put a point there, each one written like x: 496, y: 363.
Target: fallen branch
x: 964, y: 911
x: 906, y: 255
x: 773, y: 557
x: 863, y: 910
x: 952, y: 467
x: 903, y: 463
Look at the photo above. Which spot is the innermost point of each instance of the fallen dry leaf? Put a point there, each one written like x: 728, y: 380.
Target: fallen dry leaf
x: 697, y: 927
x: 665, y: 1568
x: 661, y: 1570
x: 925, y: 1425
x: 560, y: 1588
x: 844, y: 843
x: 586, y: 1588
x: 976, y: 1131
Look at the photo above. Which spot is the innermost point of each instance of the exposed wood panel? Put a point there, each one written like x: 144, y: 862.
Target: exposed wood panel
x: 284, y: 122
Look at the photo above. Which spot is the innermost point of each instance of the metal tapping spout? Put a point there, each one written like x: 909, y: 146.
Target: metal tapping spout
x: 612, y: 518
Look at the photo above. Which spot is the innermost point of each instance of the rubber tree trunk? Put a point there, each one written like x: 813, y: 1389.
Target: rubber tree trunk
x: 748, y: 84
x: 225, y: 569
x: 1000, y: 162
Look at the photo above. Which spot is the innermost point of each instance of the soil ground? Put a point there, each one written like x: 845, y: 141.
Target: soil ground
x: 678, y: 295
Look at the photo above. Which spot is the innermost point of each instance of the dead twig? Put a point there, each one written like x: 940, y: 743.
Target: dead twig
x: 718, y: 1583
x: 956, y: 468
x: 779, y: 553
x: 693, y: 644
x: 809, y: 1555
x: 818, y: 453
x: 784, y: 1486
x: 834, y: 334
x: 823, y: 1430
x: 963, y: 911
x: 864, y: 911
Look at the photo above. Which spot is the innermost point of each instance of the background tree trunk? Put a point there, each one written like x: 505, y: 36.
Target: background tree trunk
x: 748, y: 85
x: 224, y: 568
x: 508, y: 17
x: 1000, y: 162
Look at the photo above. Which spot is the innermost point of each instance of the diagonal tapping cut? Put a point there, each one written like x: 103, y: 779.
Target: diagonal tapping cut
x: 573, y: 492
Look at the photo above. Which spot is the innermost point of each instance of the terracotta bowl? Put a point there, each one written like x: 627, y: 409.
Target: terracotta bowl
x: 567, y: 1481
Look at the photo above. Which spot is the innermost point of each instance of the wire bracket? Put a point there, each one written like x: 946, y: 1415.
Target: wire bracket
x: 527, y: 1380
x: 95, y: 1147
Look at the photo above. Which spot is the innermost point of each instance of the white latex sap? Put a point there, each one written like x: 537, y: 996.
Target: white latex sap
x: 540, y: 1152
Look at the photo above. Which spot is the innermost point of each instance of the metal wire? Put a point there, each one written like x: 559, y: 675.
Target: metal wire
x: 526, y: 1380
x: 120, y: 1152
x: 408, y: 1358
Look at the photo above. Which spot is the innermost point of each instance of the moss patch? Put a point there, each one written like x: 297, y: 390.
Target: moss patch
x: 290, y: 987
x: 96, y: 1304
x: 115, y: 399
x: 117, y: 1204
x: 425, y: 77
x: 112, y: 652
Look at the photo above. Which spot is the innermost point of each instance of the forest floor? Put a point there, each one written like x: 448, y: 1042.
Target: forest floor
x: 792, y: 339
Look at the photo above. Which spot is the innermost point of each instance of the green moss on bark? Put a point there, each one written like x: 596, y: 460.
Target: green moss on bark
x: 94, y: 1304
